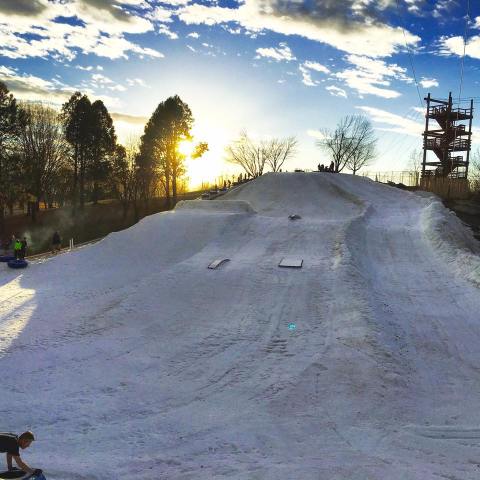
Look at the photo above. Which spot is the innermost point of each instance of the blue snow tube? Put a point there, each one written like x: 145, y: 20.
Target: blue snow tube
x: 18, y: 263
x: 6, y: 258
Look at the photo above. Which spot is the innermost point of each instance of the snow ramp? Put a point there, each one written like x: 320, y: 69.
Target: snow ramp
x: 363, y: 364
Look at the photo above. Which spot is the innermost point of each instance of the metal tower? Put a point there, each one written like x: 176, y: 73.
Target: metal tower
x: 451, y: 143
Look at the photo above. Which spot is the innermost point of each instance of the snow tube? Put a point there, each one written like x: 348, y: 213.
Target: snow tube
x: 6, y: 258
x: 17, y: 263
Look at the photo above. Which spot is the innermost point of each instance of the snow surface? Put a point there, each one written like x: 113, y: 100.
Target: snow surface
x: 130, y: 356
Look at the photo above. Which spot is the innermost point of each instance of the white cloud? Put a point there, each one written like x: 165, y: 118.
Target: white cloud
x: 336, y: 91
x: 136, y: 3
x: 193, y: 35
x: 428, y: 82
x: 317, y: 134
x: 306, y: 71
x: 442, y: 8
x: 101, y: 79
x: 318, y: 67
x: 102, y: 31
x: 371, y: 76
x: 136, y: 81
x: 307, y: 77
x: 395, y: 123
x: 161, y: 14
x: 414, y: 6
x: 33, y: 88
x: 233, y: 31
x: 164, y: 30
x: 359, y: 37
x: 117, y: 88
x: 132, y: 119
x: 454, y: 46
x: 280, y: 53
x: 174, y: 3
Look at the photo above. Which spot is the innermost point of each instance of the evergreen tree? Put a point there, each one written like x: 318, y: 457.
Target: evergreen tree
x: 102, y: 146
x: 77, y: 115
x: 159, y: 158
x: 122, y: 177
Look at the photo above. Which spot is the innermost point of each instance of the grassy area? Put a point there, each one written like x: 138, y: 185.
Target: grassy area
x: 94, y: 222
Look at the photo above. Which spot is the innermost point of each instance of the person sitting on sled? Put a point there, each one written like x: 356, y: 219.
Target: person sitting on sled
x: 11, y: 444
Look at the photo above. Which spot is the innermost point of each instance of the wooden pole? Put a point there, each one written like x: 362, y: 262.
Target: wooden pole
x: 425, y: 136
x: 469, y: 138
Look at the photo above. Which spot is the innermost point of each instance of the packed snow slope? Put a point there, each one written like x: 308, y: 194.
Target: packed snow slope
x: 130, y: 359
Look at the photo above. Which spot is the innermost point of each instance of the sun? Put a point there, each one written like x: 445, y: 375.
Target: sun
x: 186, y: 147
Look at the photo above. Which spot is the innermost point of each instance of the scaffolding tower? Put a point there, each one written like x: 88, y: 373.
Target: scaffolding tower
x: 451, y: 143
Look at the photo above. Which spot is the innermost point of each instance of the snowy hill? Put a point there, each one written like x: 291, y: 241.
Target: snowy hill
x: 130, y: 356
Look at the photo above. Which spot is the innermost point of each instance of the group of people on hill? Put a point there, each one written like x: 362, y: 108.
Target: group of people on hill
x: 324, y: 168
x: 18, y: 246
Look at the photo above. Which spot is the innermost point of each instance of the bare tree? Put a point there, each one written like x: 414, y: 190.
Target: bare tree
x: 415, y: 165
x: 43, y: 149
x: 351, y: 144
x: 277, y: 151
x: 247, y: 154
x: 124, y: 177
x: 474, y: 171
x: 361, y: 157
x: 253, y: 156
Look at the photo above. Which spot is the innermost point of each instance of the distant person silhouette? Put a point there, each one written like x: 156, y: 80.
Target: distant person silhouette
x: 23, y: 249
x: 56, y: 242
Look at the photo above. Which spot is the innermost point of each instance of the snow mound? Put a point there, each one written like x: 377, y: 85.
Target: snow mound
x: 215, y: 206
x: 306, y: 194
x: 179, y: 371
x: 455, y: 242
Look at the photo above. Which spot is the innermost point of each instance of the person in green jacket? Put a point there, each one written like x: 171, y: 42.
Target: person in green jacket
x: 17, y: 248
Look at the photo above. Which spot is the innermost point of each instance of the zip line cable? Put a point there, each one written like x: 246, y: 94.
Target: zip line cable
x: 462, y: 62
x: 412, y: 116
x: 400, y: 138
x: 410, y: 56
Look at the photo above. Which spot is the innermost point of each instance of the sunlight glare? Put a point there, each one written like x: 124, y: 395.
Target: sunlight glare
x: 186, y: 147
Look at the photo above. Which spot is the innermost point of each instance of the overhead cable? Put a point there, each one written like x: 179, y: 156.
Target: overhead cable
x: 462, y: 62
x: 410, y: 55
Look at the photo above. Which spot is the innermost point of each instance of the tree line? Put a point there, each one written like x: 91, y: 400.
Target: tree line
x: 72, y: 156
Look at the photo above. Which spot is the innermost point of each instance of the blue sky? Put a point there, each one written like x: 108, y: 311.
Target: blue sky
x: 273, y: 67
